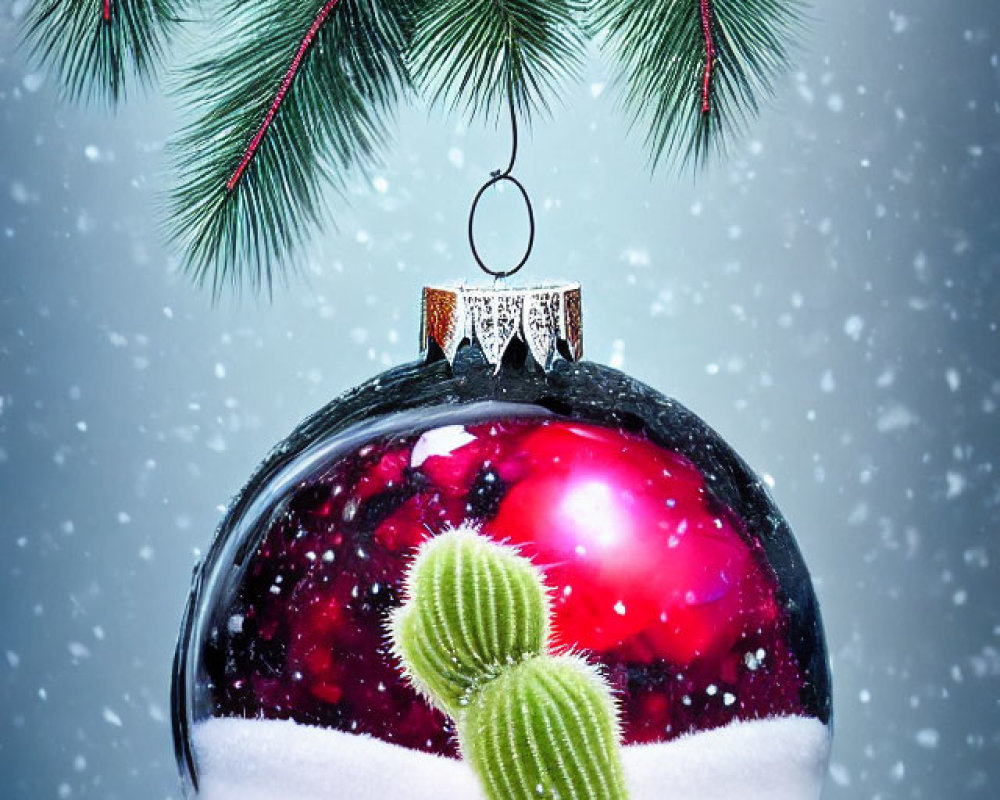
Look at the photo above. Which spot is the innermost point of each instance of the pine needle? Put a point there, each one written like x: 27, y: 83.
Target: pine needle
x: 97, y: 47
x: 289, y: 105
x: 694, y: 86
x: 469, y: 54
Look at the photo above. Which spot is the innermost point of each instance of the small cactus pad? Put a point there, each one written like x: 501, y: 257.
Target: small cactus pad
x: 476, y: 607
x: 473, y: 637
x: 544, y: 728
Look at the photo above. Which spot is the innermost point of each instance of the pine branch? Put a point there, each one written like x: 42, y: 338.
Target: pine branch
x: 471, y: 54
x: 96, y: 47
x: 301, y: 95
x: 695, y: 71
x: 296, y: 99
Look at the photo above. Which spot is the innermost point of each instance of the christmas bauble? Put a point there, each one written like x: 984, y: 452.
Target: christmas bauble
x: 668, y: 563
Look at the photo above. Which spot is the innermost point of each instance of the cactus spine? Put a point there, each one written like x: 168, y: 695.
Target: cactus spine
x: 473, y: 637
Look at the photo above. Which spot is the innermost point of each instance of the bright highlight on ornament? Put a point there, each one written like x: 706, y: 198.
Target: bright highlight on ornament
x: 439, y: 442
x: 591, y: 512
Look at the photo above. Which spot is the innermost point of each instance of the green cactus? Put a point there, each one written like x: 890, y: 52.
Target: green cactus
x: 473, y: 638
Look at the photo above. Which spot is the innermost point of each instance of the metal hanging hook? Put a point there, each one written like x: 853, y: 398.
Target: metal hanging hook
x: 499, y: 176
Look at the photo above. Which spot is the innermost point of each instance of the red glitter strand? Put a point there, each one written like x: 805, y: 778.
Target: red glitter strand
x: 286, y: 84
x: 106, y: 13
x: 706, y: 28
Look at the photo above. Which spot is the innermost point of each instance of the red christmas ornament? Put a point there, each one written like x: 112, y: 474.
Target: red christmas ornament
x: 668, y: 562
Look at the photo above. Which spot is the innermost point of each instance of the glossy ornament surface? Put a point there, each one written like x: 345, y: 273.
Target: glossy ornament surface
x: 669, y: 565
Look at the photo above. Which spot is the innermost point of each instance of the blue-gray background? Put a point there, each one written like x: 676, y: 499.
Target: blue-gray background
x: 828, y: 299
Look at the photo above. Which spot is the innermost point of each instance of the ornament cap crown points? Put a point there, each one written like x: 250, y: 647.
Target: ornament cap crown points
x: 547, y: 319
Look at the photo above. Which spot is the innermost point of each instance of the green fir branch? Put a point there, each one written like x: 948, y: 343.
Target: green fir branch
x: 253, y: 172
x: 97, y: 48
x: 294, y: 97
x: 474, y: 55
x: 662, y: 50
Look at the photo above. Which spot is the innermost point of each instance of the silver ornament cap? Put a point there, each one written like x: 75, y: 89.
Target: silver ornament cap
x: 547, y: 319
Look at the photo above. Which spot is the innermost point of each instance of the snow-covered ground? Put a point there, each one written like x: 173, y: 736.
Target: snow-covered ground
x: 777, y: 759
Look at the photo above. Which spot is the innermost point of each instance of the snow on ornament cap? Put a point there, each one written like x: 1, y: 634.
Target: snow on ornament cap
x: 547, y: 319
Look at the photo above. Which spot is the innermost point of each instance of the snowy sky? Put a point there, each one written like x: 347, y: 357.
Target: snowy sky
x: 828, y: 299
